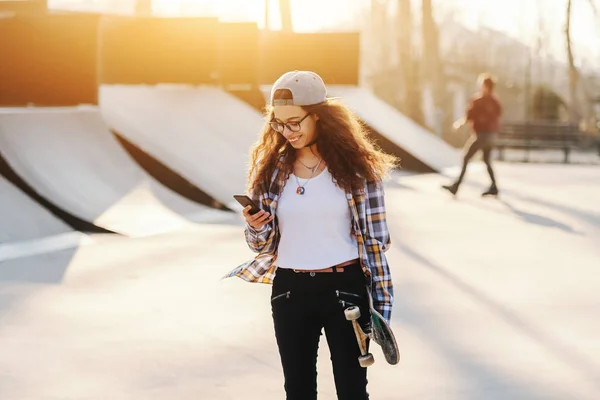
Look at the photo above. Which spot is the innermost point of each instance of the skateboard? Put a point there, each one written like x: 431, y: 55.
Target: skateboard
x: 380, y: 332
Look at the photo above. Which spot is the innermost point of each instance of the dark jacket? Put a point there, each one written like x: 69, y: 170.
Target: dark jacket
x: 484, y: 113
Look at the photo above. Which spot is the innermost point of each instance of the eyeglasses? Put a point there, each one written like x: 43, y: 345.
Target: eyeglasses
x: 293, y: 126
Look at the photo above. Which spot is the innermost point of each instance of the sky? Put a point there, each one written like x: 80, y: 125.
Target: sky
x: 305, y: 17
x: 521, y: 19
x: 517, y: 18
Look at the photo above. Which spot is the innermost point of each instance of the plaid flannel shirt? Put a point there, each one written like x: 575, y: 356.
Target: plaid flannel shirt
x: 369, y: 225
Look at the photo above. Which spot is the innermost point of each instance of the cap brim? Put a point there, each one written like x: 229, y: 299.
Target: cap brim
x: 290, y: 102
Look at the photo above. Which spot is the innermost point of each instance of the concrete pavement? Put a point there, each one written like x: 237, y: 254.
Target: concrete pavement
x: 496, y: 299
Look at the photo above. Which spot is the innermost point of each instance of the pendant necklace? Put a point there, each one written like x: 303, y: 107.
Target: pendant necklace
x: 306, y: 166
x: 301, y: 188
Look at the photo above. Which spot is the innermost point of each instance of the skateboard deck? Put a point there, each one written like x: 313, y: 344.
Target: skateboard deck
x: 380, y: 332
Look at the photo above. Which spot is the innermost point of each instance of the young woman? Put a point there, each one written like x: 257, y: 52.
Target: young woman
x: 321, y: 233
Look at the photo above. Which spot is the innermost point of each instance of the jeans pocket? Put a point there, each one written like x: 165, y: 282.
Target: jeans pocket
x: 281, y: 296
x: 348, y: 299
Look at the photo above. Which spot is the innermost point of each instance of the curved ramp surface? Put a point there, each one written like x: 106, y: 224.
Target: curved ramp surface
x: 22, y: 219
x: 429, y: 149
x: 398, y: 128
x: 69, y: 156
x: 202, y: 133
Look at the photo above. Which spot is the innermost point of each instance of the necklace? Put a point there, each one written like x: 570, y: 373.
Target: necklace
x: 307, y: 167
x: 301, y: 188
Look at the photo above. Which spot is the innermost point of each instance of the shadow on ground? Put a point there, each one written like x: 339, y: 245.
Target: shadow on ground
x: 481, y: 376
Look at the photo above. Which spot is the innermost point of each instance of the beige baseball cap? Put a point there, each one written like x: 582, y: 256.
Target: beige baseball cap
x: 307, y: 89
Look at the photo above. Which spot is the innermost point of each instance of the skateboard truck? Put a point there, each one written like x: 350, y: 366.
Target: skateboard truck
x: 353, y: 314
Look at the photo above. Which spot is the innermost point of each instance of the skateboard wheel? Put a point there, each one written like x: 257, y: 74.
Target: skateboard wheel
x: 352, y: 313
x: 366, y: 361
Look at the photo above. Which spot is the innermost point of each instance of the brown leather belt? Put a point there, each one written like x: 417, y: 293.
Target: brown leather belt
x: 335, y: 268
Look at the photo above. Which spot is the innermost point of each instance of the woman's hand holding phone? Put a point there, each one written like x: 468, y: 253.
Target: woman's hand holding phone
x: 258, y: 220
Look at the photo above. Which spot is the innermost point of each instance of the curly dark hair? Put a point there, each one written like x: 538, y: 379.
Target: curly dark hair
x: 342, y: 140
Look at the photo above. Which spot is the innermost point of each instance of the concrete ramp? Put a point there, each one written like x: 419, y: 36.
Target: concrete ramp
x: 69, y: 157
x: 202, y: 133
x: 22, y: 219
x: 397, y: 128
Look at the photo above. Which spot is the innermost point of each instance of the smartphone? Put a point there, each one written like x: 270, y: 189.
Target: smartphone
x: 246, y: 201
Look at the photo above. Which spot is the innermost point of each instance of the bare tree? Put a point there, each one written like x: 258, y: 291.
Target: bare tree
x: 285, y: 10
x: 380, y: 29
x: 143, y: 7
x: 408, y: 62
x: 574, y: 74
x: 433, y: 69
x: 267, y: 14
x: 594, y: 7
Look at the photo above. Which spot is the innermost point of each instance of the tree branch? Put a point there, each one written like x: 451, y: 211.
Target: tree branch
x: 592, y: 4
x: 573, y: 71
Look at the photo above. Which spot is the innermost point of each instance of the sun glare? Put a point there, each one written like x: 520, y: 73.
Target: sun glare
x: 517, y: 18
x: 307, y: 15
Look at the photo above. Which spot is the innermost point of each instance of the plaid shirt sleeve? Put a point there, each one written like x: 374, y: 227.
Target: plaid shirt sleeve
x: 377, y: 243
x: 259, y: 240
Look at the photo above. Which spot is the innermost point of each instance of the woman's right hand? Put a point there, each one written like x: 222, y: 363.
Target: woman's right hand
x: 258, y: 220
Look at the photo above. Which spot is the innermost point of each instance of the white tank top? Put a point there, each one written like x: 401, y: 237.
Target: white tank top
x: 315, y: 227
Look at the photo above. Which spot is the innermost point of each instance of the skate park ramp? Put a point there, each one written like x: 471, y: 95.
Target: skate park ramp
x: 69, y: 157
x: 203, y: 133
x: 27, y: 228
x: 403, y: 132
x: 22, y: 219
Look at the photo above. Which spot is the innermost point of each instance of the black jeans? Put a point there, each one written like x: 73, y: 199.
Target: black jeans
x: 485, y: 143
x: 303, y: 304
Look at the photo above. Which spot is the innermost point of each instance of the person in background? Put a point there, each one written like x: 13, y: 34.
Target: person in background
x: 483, y: 116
